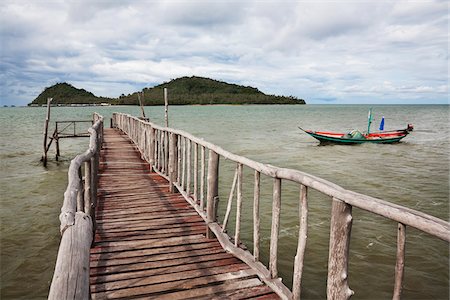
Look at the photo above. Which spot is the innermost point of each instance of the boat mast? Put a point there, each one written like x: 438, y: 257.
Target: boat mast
x: 369, y: 121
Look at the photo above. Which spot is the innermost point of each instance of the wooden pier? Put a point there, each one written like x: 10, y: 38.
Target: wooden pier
x: 140, y: 220
x: 151, y: 243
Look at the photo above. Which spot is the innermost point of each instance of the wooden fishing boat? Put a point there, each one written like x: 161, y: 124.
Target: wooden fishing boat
x: 357, y: 137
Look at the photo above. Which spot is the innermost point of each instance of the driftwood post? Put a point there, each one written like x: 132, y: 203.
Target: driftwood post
x: 256, y: 218
x: 152, y: 149
x: 73, y: 259
x: 55, y: 136
x: 47, y: 119
x: 166, y: 108
x: 212, y: 190
x: 276, y: 209
x: 141, y: 103
x: 340, y: 230
x: 301, y: 245
x: 400, y: 263
x: 173, y: 161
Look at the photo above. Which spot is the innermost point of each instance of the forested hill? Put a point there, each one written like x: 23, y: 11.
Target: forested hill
x: 182, y: 91
x: 200, y: 90
x: 64, y: 93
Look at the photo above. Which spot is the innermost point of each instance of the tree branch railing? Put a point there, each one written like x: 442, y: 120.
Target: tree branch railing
x: 174, y: 154
x: 71, y: 276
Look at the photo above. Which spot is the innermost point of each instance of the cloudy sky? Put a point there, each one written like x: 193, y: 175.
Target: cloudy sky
x: 322, y: 51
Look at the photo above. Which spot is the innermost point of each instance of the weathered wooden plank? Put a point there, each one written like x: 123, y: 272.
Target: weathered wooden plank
x: 150, y: 236
x: 153, y: 251
x: 143, y: 217
x: 158, y: 264
x: 243, y: 293
x: 125, y: 245
x: 186, y: 284
x: 145, y: 226
x: 211, y: 290
x: 161, y: 278
x: 157, y: 257
x: 96, y: 279
x: 137, y: 223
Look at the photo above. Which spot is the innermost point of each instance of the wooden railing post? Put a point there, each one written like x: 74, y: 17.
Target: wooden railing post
x: 301, y: 245
x: 237, y: 235
x: 152, y: 148
x: 400, y: 263
x: 340, y: 230
x: 276, y: 209
x: 256, y: 218
x: 212, y: 190
x: 173, y: 161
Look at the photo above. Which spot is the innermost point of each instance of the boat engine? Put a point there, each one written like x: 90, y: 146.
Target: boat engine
x: 410, y: 128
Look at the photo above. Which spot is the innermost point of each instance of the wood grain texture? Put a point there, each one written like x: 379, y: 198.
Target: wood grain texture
x: 151, y: 243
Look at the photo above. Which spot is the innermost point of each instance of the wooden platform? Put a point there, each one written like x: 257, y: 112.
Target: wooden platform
x: 151, y: 244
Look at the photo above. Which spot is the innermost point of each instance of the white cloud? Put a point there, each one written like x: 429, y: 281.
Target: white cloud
x: 318, y: 50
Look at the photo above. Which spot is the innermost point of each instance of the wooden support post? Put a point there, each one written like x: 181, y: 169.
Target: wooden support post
x: 152, y: 148
x: 188, y: 168
x: 173, y: 161
x: 166, y: 152
x: 56, y: 137
x: 166, y: 108
x: 212, y: 190
x: 340, y: 230
x: 230, y: 201
x: 256, y: 219
x: 195, y: 173
x: 47, y: 119
x: 276, y: 208
x: 183, y: 162
x: 237, y: 235
x: 141, y: 103
x: 301, y: 246
x: 179, y: 160
x: 400, y: 263
x: 202, y: 178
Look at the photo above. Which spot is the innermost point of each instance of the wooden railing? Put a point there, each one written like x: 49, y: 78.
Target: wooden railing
x: 191, y: 165
x: 71, y: 276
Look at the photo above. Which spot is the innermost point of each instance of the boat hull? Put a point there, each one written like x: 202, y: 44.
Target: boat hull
x: 389, y: 137
x: 344, y: 141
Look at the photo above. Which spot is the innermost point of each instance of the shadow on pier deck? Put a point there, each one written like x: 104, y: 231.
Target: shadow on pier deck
x: 150, y: 243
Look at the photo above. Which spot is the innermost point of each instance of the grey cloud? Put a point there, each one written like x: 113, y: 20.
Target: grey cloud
x: 321, y: 50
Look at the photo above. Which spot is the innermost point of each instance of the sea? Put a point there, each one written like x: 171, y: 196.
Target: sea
x: 413, y: 173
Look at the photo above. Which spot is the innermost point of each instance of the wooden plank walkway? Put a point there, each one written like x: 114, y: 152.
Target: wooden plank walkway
x: 151, y: 244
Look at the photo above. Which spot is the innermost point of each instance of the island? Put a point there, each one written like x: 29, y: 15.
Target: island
x: 192, y: 90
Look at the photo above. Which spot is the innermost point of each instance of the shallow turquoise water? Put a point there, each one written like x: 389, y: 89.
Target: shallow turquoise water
x: 414, y: 173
